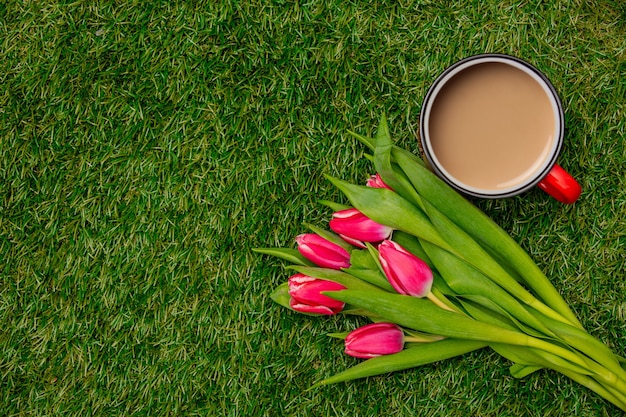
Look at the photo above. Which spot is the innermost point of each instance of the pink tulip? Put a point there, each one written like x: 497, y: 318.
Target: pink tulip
x: 306, y: 297
x: 375, y: 181
x: 353, y: 225
x: 374, y: 339
x: 406, y: 273
x: 322, y: 252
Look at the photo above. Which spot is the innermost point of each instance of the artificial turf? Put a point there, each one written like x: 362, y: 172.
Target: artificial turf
x: 147, y: 147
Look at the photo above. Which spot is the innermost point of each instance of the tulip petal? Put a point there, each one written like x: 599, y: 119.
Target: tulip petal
x: 355, y: 225
x: 375, y: 181
x: 306, y: 290
x: 313, y: 309
x: 361, y: 355
x: 374, y: 339
x: 322, y: 252
x: 406, y: 273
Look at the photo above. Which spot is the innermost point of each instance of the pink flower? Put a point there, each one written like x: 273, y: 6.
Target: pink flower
x: 374, y: 339
x: 322, y: 252
x: 406, y: 273
x: 306, y: 297
x: 375, y: 181
x: 353, y: 225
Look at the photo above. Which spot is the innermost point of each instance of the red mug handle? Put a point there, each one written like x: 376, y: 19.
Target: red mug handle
x: 560, y: 185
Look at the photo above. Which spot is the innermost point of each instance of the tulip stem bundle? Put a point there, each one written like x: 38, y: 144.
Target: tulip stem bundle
x: 438, y: 279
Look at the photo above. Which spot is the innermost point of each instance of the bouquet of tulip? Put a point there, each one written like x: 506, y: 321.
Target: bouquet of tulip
x: 438, y: 279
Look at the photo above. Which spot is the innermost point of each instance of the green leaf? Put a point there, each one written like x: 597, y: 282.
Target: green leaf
x: 281, y: 295
x: 467, y: 281
x: 330, y: 236
x: 520, y: 371
x: 333, y: 206
x: 382, y: 162
x: 426, y: 337
x: 411, y: 244
x: 422, y: 315
x: 371, y: 144
x: 480, y: 227
x: 356, y: 311
x: 372, y: 276
x: 362, y: 259
x: 290, y: 255
x: 412, y: 357
x: 388, y: 208
x: 375, y: 256
x: 367, y: 141
x: 338, y: 335
x: 476, y: 256
x: 482, y: 313
x: 491, y: 307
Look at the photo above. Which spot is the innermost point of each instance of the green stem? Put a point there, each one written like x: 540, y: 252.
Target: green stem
x: 416, y: 339
x: 601, y: 372
x: 432, y: 297
x: 556, y: 350
x: 530, y: 356
x: 615, y: 396
x: 583, y: 342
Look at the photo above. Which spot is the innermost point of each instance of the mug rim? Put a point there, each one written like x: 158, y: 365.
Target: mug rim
x: 452, y: 71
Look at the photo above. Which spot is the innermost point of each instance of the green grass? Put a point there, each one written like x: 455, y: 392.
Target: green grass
x: 147, y: 147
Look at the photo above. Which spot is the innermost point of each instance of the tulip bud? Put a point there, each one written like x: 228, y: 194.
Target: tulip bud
x: 406, y: 273
x: 354, y: 225
x: 374, y: 339
x: 375, y: 181
x: 306, y: 295
x: 322, y: 252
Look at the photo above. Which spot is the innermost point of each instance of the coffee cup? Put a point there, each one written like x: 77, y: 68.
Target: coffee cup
x: 492, y: 126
